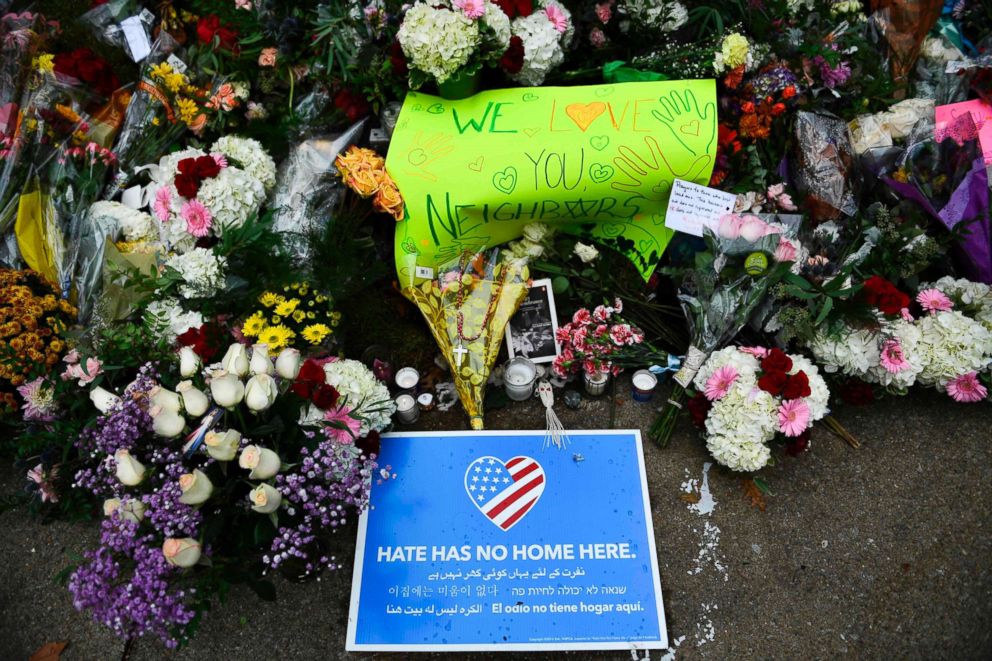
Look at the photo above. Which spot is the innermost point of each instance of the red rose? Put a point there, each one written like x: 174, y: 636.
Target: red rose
x: 513, y: 59
x: 204, y: 340
x: 187, y: 185
x: 798, y: 445
x: 325, y: 396
x: 882, y: 294
x: 312, y: 372
x: 773, y: 382
x: 206, y: 167
x: 797, y: 386
x: 776, y: 361
x: 857, y: 393
x: 514, y: 8
x: 302, y: 388
x: 369, y: 444
x: 209, y: 27
x: 699, y: 407
x: 353, y: 105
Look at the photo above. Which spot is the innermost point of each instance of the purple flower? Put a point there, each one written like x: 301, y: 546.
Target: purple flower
x: 39, y: 400
x: 833, y: 77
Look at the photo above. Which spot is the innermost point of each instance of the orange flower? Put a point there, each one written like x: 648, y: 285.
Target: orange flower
x: 388, y: 199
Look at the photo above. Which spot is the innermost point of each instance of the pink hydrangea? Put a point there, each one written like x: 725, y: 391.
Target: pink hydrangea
x: 198, y: 218
x: 719, y: 383
x: 793, y: 417
x: 892, y: 358
x: 966, y: 388
x: 934, y: 300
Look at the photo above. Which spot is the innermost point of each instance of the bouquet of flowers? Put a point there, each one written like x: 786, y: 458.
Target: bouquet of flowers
x: 749, y: 396
x: 590, y: 341
x: 540, y: 37
x: 300, y: 316
x: 364, y: 172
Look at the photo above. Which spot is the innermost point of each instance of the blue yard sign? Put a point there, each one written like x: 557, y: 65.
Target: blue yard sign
x: 487, y: 541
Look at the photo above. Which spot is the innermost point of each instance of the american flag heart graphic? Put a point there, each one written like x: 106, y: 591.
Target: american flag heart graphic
x: 504, y: 492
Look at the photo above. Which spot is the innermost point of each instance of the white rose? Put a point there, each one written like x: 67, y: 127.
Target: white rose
x: 236, y: 360
x: 585, y: 252
x: 262, y: 462
x: 288, y: 364
x: 227, y: 389
x: 222, y: 446
x: 260, y: 392
x: 165, y: 398
x: 260, y: 362
x: 189, y: 362
x: 132, y: 510
x: 104, y: 400
x: 194, y: 400
x: 130, y: 471
x: 183, y: 552
x: 535, y: 232
x: 265, y: 499
x: 166, y: 423
x: 196, y: 488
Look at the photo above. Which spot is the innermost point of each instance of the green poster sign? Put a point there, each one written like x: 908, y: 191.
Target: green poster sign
x: 597, y: 161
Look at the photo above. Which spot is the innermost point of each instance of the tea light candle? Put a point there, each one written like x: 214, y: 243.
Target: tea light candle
x: 407, y: 409
x: 643, y: 384
x: 519, y: 377
x: 426, y: 401
x: 407, y: 378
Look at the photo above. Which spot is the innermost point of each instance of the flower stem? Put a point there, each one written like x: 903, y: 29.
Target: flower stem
x: 662, y: 429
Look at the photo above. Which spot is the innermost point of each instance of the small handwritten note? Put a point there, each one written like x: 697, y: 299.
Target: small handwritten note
x: 980, y: 111
x: 692, y: 207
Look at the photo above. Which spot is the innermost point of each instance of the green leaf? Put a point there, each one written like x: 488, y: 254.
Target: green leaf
x: 827, y: 306
x: 559, y: 285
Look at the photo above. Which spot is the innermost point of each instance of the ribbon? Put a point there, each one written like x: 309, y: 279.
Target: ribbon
x: 674, y: 363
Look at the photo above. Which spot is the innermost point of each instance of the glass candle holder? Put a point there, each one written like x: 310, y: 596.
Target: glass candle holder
x: 407, y: 409
x: 596, y: 383
x: 407, y: 378
x: 642, y: 385
x: 519, y: 377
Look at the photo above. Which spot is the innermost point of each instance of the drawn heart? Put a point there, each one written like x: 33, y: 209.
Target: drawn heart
x: 658, y: 219
x: 612, y: 230
x: 409, y: 246
x: 435, y: 109
x: 599, y: 142
x: 476, y: 165
x: 504, y: 492
x: 692, y: 128
x: 530, y: 96
x: 662, y: 188
x: 531, y: 132
x: 600, y: 173
x: 646, y: 245
x: 605, y: 90
x: 506, y: 180
x: 417, y: 156
x: 583, y: 114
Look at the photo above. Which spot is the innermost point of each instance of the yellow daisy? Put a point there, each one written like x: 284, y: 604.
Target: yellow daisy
x: 268, y: 299
x: 315, y: 333
x: 254, y: 324
x: 299, y: 316
x: 286, y: 308
x: 276, y: 337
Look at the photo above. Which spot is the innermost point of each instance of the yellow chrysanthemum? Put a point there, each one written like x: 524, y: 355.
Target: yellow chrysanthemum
x: 276, y: 337
x: 161, y: 70
x: 176, y: 82
x: 268, y: 299
x: 254, y: 324
x: 186, y: 109
x: 315, y: 333
x: 286, y: 308
x: 44, y: 63
x: 299, y: 316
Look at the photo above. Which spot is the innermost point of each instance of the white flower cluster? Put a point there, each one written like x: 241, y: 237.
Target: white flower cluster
x: 974, y: 297
x: 659, y: 15
x: 857, y: 352
x: 952, y: 344
x: 543, y: 43
x: 232, y: 197
x: 368, y: 398
x: 437, y: 40
x: 248, y: 155
x: 202, y: 272
x: 742, y: 422
x: 134, y: 225
x: 167, y: 317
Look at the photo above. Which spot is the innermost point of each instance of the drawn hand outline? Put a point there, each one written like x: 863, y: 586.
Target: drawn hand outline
x: 652, y: 167
x: 679, y: 111
x: 425, y: 150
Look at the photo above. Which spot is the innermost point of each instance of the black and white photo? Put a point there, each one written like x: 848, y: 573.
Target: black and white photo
x: 531, y: 331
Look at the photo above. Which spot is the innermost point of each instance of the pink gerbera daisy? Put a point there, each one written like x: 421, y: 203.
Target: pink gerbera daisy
x: 198, y: 218
x: 966, y: 388
x: 934, y: 300
x: 219, y: 159
x: 719, y: 382
x: 793, y: 417
x: 892, y: 358
x: 472, y: 9
x: 557, y: 18
x: 344, y: 428
x: 163, y: 203
x: 757, y: 352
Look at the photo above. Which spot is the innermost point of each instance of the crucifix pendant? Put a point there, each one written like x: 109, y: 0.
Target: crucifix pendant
x: 459, y: 352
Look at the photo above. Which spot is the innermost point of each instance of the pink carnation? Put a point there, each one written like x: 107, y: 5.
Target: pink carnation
x: 557, y: 18
x: 198, y: 218
x: 934, y: 300
x: 720, y: 382
x: 966, y: 388
x: 268, y: 57
x: 786, y: 251
x: 597, y: 38
x: 621, y: 335
x: 581, y: 316
x: 892, y: 358
x: 604, y: 12
x: 793, y: 417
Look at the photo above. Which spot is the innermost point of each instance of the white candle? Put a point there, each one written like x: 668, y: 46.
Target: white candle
x: 407, y: 409
x: 519, y: 376
x: 407, y: 378
x: 645, y: 380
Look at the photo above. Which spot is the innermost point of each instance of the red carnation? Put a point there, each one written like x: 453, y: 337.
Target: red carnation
x: 353, y: 105
x: 209, y: 27
x: 798, y: 445
x: 204, y: 340
x: 397, y: 59
x: 514, y: 8
x: 776, y: 361
x: 882, y: 294
x: 187, y: 185
x: 773, y: 382
x: 797, y: 386
x: 513, y: 59
x: 699, y: 407
x: 325, y: 396
x: 312, y: 372
x: 302, y: 388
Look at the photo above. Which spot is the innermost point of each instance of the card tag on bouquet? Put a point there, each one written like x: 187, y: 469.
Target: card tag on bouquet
x: 137, y: 38
x: 692, y: 207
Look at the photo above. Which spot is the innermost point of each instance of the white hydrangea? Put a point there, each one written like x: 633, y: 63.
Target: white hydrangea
x: 175, y: 236
x: 168, y: 318
x: 853, y: 352
x: 134, y: 225
x: 819, y: 396
x: 437, y: 41
x: 542, y: 46
x: 661, y: 15
x: 202, y: 272
x: 250, y: 157
x: 745, y: 364
x: 950, y: 345
x: 362, y: 392
x: 908, y: 337
x: 233, y: 196
x: 737, y: 453
x: 499, y: 23
x: 975, y: 295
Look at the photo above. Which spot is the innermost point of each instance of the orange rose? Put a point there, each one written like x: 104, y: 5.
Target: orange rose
x: 388, y: 198
x: 366, y: 181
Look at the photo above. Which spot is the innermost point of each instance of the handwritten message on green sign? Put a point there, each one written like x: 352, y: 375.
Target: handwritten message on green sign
x: 596, y: 161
